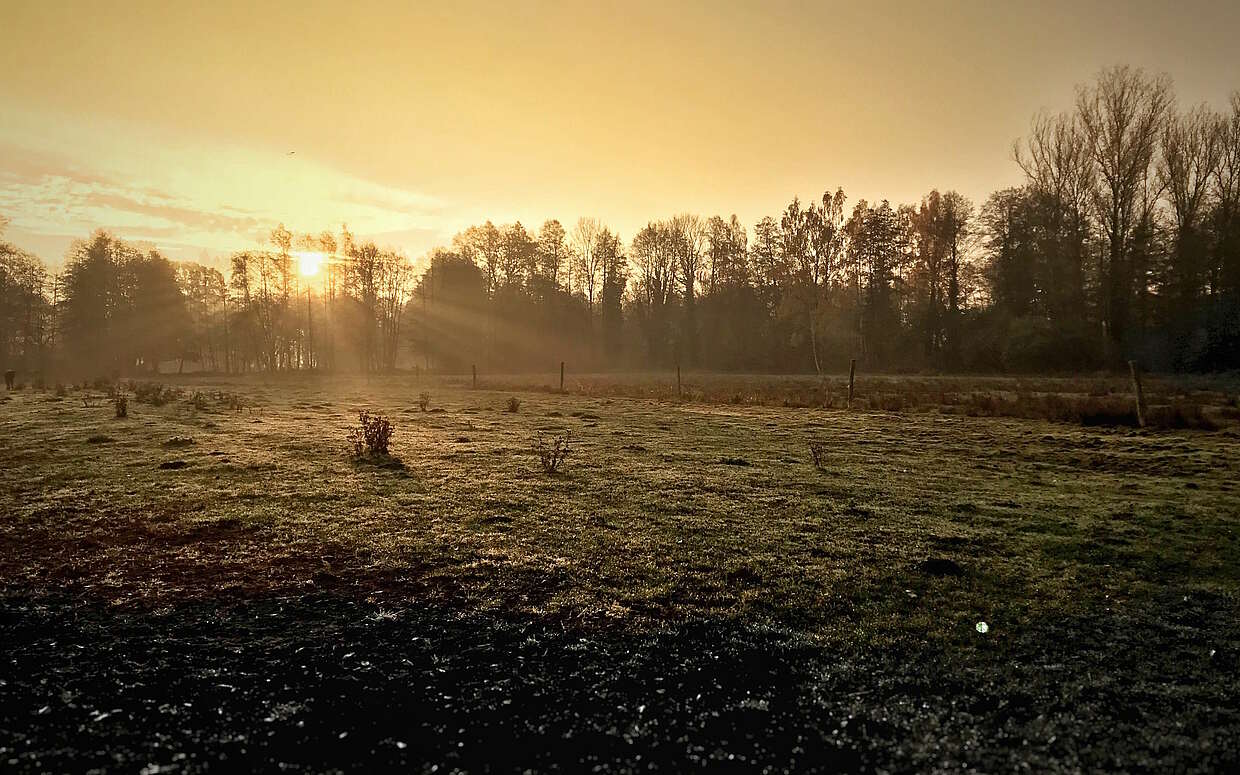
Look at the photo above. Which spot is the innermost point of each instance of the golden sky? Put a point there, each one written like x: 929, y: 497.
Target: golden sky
x: 198, y: 126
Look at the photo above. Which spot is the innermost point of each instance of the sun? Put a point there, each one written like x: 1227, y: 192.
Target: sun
x: 308, y: 263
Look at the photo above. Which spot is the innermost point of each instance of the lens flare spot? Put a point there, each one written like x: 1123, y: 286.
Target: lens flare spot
x: 308, y: 263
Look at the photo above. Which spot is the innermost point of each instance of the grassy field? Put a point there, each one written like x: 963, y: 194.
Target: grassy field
x: 1103, y: 560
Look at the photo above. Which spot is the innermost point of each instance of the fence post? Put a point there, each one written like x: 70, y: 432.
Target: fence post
x: 561, y: 376
x: 852, y: 373
x: 679, y: 394
x: 1135, y: 371
x: 474, y: 367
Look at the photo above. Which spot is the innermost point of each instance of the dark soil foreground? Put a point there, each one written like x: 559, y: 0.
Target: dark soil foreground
x: 327, y: 683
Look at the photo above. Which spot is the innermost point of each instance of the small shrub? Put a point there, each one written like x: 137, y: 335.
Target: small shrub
x: 552, y: 454
x: 371, y: 436
x: 147, y: 392
x: 154, y: 393
x: 818, y: 452
x: 513, y: 405
x: 424, y: 400
x: 121, y: 403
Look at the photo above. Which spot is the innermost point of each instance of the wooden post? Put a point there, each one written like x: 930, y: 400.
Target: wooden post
x: 561, y: 376
x: 852, y: 373
x: 1135, y: 371
x: 474, y: 368
x: 679, y: 394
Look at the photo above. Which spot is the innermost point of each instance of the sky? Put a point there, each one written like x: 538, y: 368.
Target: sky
x: 197, y: 127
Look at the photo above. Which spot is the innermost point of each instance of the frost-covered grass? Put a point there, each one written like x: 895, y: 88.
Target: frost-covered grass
x: 939, y: 590
x: 664, y: 511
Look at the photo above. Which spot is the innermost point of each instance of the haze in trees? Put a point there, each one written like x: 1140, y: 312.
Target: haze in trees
x: 1121, y: 244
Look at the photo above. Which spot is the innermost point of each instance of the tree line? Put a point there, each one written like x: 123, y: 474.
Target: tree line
x: 1122, y: 242
x: 118, y: 309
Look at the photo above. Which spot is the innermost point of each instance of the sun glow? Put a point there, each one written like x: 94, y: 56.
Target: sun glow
x: 308, y: 263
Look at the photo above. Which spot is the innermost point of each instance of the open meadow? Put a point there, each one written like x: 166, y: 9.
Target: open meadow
x: 740, y: 573
x: 642, y: 387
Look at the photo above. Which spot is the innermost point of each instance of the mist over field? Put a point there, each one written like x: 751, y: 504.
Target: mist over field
x: 560, y: 388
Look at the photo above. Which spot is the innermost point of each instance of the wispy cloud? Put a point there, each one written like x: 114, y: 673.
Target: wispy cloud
x: 189, y: 199
x: 164, y: 209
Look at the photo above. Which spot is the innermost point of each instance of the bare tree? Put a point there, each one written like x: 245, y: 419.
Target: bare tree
x: 812, y: 243
x: 518, y: 255
x: 26, y: 314
x: 767, y: 266
x: 552, y: 252
x: 1226, y: 265
x: 587, y: 264
x: 727, y: 252
x: 689, y: 233
x: 284, y: 325
x: 326, y: 356
x: 1122, y: 115
x: 394, y: 281
x: 654, y: 256
x: 1192, y: 149
x: 615, y: 272
x: 957, y: 215
x: 1059, y: 166
x: 926, y: 229
x: 362, y: 279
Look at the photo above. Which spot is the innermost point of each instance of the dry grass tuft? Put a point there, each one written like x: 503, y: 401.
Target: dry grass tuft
x: 154, y: 393
x: 818, y: 453
x: 551, y: 454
